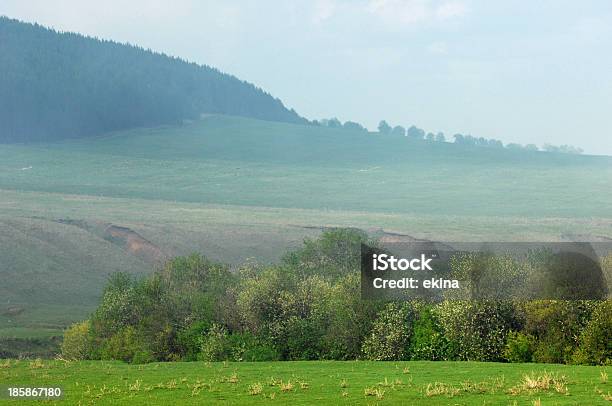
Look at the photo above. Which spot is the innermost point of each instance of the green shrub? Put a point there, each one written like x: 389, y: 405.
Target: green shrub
x: 126, y: 345
x: 215, y: 345
x: 189, y: 340
x: 389, y: 339
x: 77, y: 343
x: 519, y: 347
x: 557, y: 326
x: 595, y: 340
x: 477, y: 330
x: 250, y: 348
x: 142, y: 357
x: 349, y: 320
x: 428, y: 341
x: 334, y: 254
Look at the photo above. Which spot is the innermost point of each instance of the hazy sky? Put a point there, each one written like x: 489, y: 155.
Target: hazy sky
x: 522, y: 71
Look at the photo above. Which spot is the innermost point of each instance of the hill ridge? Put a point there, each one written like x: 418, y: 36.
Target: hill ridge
x: 58, y: 85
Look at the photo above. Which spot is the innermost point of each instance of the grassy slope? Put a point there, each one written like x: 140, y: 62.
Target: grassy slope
x: 402, y: 382
x: 247, y: 162
x: 235, y: 188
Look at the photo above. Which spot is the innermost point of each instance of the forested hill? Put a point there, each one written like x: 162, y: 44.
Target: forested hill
x: 62, y: 85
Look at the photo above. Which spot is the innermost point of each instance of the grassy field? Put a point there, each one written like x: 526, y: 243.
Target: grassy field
x: 237, y: 189
x: 237, y: 161
x: 321, y: 382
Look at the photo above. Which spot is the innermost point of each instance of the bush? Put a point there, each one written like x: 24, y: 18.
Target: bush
x: 478, y: 330
x: 557, y: 326
x: 77, y: 343
x: 142, y: 357
x: 189, y: 340
x: 595, y: 343
x: 428, y: 341
x: 389, y: 339
x: 350, y: 320
x: 334, y: 254
x: 248, y: 347
x: 519, y: 347
x: 127, y: 345
x: 215, y: 344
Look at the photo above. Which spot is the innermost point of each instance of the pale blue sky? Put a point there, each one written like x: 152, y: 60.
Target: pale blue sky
x: 521, y: 71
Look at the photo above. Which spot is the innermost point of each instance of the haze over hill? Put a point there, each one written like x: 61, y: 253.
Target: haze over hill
x: 64, y: 85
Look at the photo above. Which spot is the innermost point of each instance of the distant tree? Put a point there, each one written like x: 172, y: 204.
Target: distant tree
x: 415, y: 133
x: 531, y: 147
x: 384, y: 127
x: 430, y: 137
x: 514, y: 146
x: 459, y: 138
x: 398, y: 130
x: 570, y: 149
x: 440, y: 137
x: 351, y: 125
x: 481, y: 142
x: 550, y: 148
x: 565, y: 149
x: 469, y: 140
x: 493, y: 143
x: 332, y: 123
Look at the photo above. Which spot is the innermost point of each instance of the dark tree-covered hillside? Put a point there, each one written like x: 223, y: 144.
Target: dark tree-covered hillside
x: 60, y: 85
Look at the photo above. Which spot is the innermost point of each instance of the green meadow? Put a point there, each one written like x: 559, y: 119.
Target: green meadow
x: 321, y: 382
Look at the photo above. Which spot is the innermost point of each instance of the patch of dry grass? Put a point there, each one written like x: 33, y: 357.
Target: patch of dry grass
x: 541, y: 383
x: 255, y: 389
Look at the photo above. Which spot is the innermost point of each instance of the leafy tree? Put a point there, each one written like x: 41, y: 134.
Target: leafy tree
x: 415, y: 133
x: 215, y: 344
x: 398, y: 130
x: 77, y: 342
x: 351, y: 125
x: 514, y: 146
x: 557, y: 326
x: 595, y: 346
x: 469, y: 140
x: 335, y: 253
x: 389, y: 339
x: 428, y: 341
x: 519, y: 347
x: 481, y: 142
x: 383, y: 127
x: 495, y: 143
x: 440, y: 137
x: 550, y: 148
x: 477, y: 329
x: 331, y: 123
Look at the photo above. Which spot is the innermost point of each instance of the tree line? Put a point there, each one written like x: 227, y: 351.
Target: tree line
x: 415, y: 133
x: 309, y: 307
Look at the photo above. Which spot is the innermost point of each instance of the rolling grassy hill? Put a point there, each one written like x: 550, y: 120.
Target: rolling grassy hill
x: 72, y: 212
x: 238, y: 161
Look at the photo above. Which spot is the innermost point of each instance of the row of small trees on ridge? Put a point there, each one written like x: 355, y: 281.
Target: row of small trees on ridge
x: 416, y: 133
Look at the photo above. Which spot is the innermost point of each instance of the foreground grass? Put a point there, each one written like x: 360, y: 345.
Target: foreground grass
x: 423, y: 383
